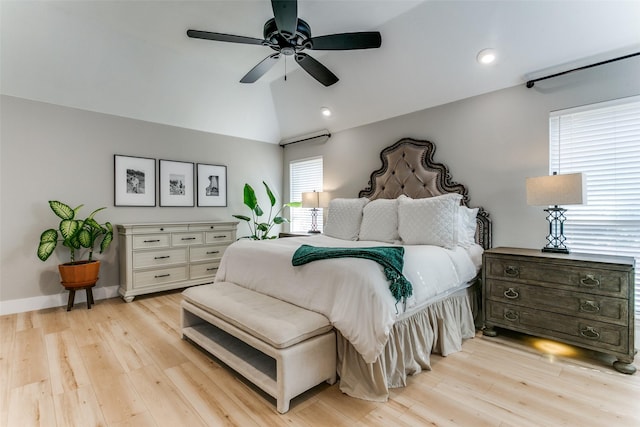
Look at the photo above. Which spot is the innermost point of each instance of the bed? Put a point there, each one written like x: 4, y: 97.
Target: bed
x: 410, y: 202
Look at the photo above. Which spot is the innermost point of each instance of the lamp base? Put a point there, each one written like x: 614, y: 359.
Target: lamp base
x: 555, y: 250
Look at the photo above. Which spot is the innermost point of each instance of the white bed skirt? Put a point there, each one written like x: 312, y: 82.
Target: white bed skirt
x: 439, y: 328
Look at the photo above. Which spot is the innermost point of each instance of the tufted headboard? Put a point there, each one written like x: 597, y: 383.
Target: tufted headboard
x: 408, y: 168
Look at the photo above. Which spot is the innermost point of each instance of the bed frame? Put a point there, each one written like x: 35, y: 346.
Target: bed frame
x: 408, y: 168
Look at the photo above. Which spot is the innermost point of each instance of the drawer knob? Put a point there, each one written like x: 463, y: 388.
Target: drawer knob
x: 511, y: 271
x: 590, y: 281
x: 589, y: 332
x: 511, y: 315
x: 151, y: 241
x: 511, y: 293
x: 589, y: 306
x: 162, y: 257
x: 157, y: 276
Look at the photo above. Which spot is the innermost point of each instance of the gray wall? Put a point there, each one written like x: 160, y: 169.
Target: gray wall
x: 491, y: 143
x: 50, y: 152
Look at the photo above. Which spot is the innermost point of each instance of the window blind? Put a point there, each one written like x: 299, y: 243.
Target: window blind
x: 603, y: 141
x: 304, y: 175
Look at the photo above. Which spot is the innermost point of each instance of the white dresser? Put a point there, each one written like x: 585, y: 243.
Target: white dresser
x: 161, y: 256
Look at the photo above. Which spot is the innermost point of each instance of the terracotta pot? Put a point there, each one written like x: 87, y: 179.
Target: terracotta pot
x: 79, y: 274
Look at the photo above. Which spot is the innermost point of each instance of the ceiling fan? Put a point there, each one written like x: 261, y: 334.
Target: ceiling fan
x: 289, y: 35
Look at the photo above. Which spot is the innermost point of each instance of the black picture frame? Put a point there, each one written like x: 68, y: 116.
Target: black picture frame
x: 176, y: 183
x: 134, y: 181
x: 211, y: 185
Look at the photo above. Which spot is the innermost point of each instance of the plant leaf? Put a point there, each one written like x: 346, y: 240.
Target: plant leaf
x: 49, y: 235
x: 106, y: 241
x: 258, y: 210
x: 293, y: 205
x: 45, y: 249
x: 92, y: 223
x: 280, y: 220
x: 84, y: 238
x: 263, y: 226
x: 69, y: 228
x: 63, y: 211
x: 242, y: 217
x: 96, y: 211
x: 250, y: 198
x: 272, y: 198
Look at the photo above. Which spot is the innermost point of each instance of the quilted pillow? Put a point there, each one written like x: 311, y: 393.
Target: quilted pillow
x: 429, y: 221
x: 344, y: 218
x: 380, y: 221
x: 467, y: 226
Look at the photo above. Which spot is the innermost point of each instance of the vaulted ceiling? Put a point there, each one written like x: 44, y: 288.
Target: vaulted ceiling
x: 133, y: 58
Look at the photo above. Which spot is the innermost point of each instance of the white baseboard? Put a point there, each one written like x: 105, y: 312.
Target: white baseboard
x: 57, y: 300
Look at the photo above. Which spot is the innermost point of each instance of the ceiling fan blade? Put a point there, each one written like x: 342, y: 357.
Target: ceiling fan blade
x: 347, y: 41
x: 285, y: 13
x: 196, y: 34
x: 316, y: 69
x: 260, y: 69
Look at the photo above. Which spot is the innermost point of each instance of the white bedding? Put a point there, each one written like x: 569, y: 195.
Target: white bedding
x: 352, y: 293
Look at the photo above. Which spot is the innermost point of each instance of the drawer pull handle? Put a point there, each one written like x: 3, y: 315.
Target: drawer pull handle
x: 590, y: 281
x: 589, y: 306
x: 212, y: 269
x: 590, y: 332
x: 151, y: 241
x: 213, y: 252
x: 157, y: 276
x: 188, y: 238
x: 162, y: 257
x: 511, y: 315
x: 219, y: 237
x: 512, y: 271
x: 511, y: 293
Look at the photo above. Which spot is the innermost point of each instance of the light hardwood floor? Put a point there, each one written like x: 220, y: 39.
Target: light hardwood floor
x: 124, y: 364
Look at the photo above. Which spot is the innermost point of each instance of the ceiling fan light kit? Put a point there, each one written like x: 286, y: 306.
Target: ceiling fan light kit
x: 289, y: 35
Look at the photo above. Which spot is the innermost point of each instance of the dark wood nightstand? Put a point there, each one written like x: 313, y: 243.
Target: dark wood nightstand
x: 580, y: 299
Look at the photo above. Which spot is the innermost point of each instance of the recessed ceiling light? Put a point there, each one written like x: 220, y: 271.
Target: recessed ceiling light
x: 486, y: 56
x: 325, y: 111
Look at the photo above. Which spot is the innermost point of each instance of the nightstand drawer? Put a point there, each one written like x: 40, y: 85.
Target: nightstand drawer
x: 584, y: 278
x: 587, y: 306
x: 583, y: 332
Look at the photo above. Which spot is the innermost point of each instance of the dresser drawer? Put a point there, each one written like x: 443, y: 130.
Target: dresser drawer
x: 212, y: 227
x: 584, y: 305
x: 221, y: 236
x: 204, y: 253
x: 199, y: 271
x: 149, y: 241
x: 159, y: 276
x: 574, y: 330
x: 158, y: 228
x: 184, y: 239
x: 583, y: 278
x: 142, y: 259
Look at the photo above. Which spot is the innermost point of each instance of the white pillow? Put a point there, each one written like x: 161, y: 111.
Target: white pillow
x: 467, y: 226
x: 380, y: 221
x: 429, y: 221
x: 344, y: 218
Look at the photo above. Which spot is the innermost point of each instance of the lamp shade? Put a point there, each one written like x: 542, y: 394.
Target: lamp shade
x: 315, y: 199
x: 568, y: 189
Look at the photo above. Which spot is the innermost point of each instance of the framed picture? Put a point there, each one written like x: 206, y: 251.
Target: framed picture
x: 176, y: 183
x: 212, y: 185
x: 134, y: 181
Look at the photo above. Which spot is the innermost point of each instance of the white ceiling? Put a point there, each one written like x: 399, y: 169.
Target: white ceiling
x: 133, y: 58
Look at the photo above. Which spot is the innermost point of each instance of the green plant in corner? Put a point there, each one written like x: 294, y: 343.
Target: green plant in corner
x: 260, y: 229
x: 76, y: 233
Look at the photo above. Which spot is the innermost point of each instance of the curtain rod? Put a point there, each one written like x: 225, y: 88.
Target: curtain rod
x: 530, y: 83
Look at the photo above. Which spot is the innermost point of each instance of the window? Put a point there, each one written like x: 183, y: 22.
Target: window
x: 603, y: 141
x: 304, y: 175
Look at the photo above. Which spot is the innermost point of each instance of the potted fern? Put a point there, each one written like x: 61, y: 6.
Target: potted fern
x: 260, y: 229
x: 76, y: 234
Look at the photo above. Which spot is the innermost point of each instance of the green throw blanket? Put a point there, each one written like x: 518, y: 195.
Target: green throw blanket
x: 389, y: 257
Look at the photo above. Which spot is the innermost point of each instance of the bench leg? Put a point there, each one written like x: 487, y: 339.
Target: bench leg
x: 89, y: 298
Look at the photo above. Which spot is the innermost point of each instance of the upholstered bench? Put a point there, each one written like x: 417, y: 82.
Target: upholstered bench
x: 283, y: 349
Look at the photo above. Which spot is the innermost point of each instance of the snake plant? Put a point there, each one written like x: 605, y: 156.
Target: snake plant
x: 75, y: 233
x: 260, y: 229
